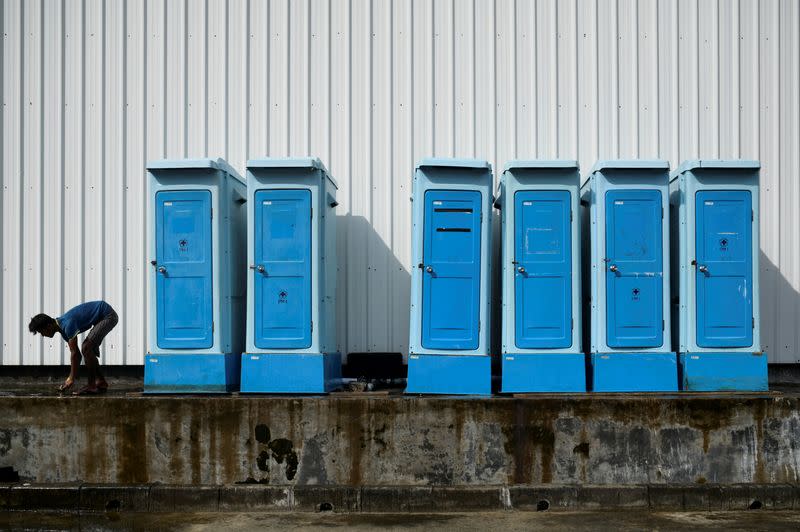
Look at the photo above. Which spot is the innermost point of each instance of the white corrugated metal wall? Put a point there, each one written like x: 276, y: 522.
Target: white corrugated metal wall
x: 93, y: 89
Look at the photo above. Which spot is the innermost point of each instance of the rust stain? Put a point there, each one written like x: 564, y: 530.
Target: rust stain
x: 176, y: 461
x: 97, y: 444
x: 228, y: 450
x: 132, y: 453
x: 194, y: 447
x: 208, y: 474
x: 705, y: 415
x: 460, y: 415
x: 291, y: 406
x: 637, y: 410
x: 759, y: 414
x: 349, y: 416
x: 530, y: 431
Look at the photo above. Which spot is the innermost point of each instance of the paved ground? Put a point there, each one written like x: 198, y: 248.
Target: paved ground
x: 464, y: 522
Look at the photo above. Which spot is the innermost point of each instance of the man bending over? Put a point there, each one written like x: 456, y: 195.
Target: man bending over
x: 95, y: 315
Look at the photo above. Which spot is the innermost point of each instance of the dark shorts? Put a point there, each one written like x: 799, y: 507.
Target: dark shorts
x: 102, y: 328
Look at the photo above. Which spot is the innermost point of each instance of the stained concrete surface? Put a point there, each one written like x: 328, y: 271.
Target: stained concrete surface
x: 479, y: 522
x: 387, y: 439
x: 377, y: 440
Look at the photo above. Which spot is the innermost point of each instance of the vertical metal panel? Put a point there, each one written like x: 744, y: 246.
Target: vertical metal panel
x: 379, y: 301
x: 91, y: 90
x: 32, y: 189
x: 769, y: 152
x: 402, y: 165
x: 52, y: 171
x: 113, y: 171
x: 135, y: 137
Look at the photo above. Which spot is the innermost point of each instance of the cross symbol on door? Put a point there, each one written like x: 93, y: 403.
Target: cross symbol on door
x: 636, y: 291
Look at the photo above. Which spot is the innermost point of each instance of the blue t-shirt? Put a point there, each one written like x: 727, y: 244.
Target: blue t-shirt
x: 82, y: 318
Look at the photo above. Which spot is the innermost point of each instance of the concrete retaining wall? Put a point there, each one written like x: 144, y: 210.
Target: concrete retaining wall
x: 389, y: 441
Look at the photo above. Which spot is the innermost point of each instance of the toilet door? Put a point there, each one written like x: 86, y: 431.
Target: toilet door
x: 282, y: 273
x: 542, y: 269
x: 183, y: 270
x: 634, y: 264
x: 724, y: 268
x: 451, y: 269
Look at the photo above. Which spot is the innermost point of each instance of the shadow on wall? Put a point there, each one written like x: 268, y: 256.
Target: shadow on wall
x: 780, y: 307
x: 373, y: 288
x: 496, y: 339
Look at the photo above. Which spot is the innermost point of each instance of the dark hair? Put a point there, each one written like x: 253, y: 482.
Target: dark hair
x: 38, y: 322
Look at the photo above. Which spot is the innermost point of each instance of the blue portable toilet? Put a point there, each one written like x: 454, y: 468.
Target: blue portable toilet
x: 716, y: 289
x: 196, y: 283
x: 539, y: 206
x: 626, y: 217
x: 291, y: 281
x: 451, y: 253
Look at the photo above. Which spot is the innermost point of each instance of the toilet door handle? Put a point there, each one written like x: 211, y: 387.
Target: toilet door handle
x: 162, y: 270
x: 613, y: 268
x: 702, y: 268
x: 521, y: 269
x: 260, y: 268
x: 429, y: 269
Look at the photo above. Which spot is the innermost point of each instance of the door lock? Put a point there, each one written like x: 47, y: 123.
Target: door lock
x: 162, y: 270
x: 260, y: 268
x: 613, y: 268
x: 521, y: 269
x: 702, y: 268
x: 429, y: 269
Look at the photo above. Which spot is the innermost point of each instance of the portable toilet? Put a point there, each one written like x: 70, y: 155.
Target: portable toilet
x: 715, y: 286
x: 196, y: 284
x: 291, y: 281
x: 541, y: 338
x: 626, y: 217
x: 451, y: 252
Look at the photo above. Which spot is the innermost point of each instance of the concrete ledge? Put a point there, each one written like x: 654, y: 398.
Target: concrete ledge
x: 602, y: 497
x: 114, y: 498
x: 92, y: 498
x: 51, y: 497
x: 326, y: 498
x: 542, y: 498
x: 5, y: 494
x: 254, y: 497
x: 184, y: 498
x: 396, y: 498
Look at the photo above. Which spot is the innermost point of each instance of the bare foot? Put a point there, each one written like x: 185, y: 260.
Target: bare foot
x: 102, y: 386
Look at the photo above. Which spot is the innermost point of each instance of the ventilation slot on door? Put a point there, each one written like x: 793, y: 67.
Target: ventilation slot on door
x: 443, y: 209
x: 453, y: 230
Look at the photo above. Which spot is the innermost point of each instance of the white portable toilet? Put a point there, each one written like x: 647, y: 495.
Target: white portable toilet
x: 451, y: 243
x: 291, y: 281
x: 626, y: 220
x: 196, y: 284
x: 715, y: 240
x: 541, y: 347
